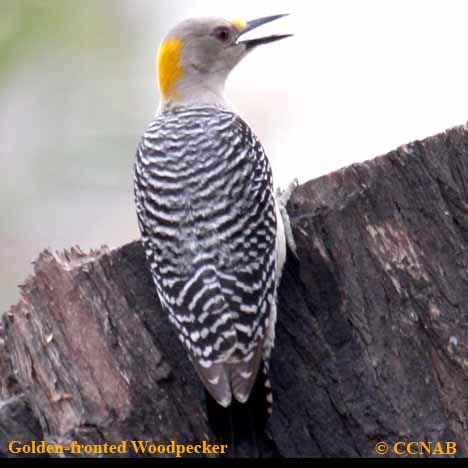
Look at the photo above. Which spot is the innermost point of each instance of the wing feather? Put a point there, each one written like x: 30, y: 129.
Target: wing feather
x: 213, y: 259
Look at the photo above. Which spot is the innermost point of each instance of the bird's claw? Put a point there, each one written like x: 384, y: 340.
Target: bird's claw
x: 283, y: 197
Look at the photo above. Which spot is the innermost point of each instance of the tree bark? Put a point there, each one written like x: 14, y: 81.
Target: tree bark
x: 372, y: 333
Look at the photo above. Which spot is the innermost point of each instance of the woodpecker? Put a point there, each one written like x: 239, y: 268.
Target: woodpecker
x: 207, y: 211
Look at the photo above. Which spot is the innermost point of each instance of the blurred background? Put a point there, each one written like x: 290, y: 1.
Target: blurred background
x: 77, y: 89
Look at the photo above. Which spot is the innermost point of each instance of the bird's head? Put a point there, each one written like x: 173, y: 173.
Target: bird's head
x: 196, y: 57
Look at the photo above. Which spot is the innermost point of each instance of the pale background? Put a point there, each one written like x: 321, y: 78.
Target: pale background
x: 77, y: 88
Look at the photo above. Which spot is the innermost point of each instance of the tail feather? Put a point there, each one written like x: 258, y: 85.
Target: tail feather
x: 268, y: 389
x: 243, y: 424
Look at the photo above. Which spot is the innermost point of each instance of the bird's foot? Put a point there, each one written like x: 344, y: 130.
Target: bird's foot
x: 283, y: 197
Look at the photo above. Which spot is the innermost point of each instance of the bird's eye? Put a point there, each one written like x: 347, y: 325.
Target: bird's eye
x: 222, y: 34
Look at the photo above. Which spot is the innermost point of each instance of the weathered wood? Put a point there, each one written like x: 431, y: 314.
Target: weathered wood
x: 16, y: 418
x: 372, y: 335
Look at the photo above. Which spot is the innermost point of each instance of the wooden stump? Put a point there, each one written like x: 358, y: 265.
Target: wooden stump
x: 372, y: 334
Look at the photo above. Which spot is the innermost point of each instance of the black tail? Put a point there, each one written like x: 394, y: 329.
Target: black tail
x: 242, y: 425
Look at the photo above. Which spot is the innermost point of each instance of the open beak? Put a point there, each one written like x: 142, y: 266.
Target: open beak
x: 254, y: 24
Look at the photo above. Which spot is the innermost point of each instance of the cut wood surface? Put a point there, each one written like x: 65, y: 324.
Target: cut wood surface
x: 372, y: 333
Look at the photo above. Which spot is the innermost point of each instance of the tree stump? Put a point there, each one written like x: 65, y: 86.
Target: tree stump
x: 372, y: 333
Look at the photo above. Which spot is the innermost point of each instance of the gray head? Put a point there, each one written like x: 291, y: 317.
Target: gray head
x: 196, y: 57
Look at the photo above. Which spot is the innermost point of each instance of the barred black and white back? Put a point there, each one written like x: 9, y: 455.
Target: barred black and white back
x: 214, y: 241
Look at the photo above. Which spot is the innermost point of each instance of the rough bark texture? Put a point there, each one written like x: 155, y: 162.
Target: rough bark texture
x: 372, y: 334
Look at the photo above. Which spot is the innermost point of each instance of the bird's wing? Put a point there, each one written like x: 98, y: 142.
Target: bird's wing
x: 243, y: 374
x: 210, y: 238
x: 216, y: 381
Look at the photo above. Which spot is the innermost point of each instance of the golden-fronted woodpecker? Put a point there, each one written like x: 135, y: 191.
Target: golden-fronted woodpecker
x: 209, y: 219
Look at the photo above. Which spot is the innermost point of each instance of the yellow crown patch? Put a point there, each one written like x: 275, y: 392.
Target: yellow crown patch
x: 239, y: 24
x: 169, y: 67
